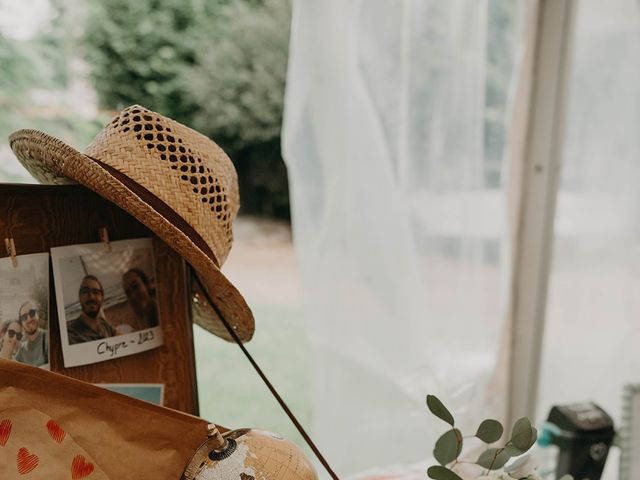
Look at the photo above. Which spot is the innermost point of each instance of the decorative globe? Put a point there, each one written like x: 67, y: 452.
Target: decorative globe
x: 249, y: 454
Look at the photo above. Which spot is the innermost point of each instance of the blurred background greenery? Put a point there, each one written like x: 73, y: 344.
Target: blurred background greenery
x: 218, y: 66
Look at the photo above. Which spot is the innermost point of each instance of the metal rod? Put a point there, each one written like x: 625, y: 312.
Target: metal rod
x: 271, y: 388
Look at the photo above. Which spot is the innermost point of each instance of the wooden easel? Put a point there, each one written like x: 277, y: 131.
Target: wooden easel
x: 39, y: 217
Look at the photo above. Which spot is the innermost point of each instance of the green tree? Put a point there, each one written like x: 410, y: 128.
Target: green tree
x: 55, y: 44
x: 238, y: 86
x: 137, y: 51
x: 41, y: 61
x: 16, y: 75
x: 501, y: 39
x: 216, y: 65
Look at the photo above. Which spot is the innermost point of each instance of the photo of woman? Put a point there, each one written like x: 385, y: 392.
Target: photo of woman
x: 140, y: 295
x: 11, y: 338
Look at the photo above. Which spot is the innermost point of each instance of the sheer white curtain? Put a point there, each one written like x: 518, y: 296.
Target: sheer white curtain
x: 593, y: 312
x: 393, y: 135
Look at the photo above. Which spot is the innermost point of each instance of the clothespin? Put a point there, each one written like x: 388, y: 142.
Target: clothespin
x: 11, y: 251
x: 104, y: 237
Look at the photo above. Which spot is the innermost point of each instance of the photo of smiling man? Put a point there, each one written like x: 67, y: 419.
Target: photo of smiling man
x: 34, y: 349
x: 90, y: 324
x: 106, y: 300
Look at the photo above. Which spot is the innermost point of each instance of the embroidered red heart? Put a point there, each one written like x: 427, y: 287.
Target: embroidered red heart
x: 80, y: 468
x: 55, y: 431
x: 26, y: 461
x: 5, y: 431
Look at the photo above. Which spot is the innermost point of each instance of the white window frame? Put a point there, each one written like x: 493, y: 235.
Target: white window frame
x: 536, y: 152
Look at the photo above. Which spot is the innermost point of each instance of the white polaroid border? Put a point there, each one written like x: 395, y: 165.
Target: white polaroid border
x: 111, y: 347
x: 129, y: 389
x: 27, y: 264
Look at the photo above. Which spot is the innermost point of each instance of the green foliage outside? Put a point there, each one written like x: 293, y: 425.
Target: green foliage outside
x: 42, y: 62
x: 233, y: 395
x: 14, y: 81
x: 17, y: 72
x: 218, y: 66
x: 501, y: 38
x: 238, y: 84
x: 138, y: 50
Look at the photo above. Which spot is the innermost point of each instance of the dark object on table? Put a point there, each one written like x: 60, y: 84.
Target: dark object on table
x: 584, y: 434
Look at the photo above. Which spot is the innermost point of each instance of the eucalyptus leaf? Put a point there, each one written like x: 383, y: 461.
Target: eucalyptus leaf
x: 439, y: 410
x: 493, y: 458
x: 486, y: 458
x: 502, y: 458
x: 441, y: 473
x: 490, y: 431
x: 448, y: 447
x: 513, y: 451
x: 522, y: 433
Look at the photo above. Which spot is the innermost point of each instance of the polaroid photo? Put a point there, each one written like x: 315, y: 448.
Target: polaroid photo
x: 149, y: 392
x: 107, y: 300
x: 24, y: 309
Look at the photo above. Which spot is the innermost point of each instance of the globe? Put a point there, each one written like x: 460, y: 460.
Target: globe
x: 249, y: 454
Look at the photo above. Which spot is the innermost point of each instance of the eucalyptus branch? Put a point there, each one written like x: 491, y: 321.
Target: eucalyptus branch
x: 448, y: 447
x: 498, y: 452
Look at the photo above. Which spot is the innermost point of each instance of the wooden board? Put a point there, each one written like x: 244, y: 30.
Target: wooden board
x: 39, y: 217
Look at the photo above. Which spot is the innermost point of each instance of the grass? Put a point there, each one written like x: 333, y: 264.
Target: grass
x: 230, y: 391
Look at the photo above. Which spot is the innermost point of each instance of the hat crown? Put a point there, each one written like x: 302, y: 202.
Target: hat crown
x: 175, y: 181
x: 185, y: 170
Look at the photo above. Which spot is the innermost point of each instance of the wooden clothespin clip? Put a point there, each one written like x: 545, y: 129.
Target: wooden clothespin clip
x: 11, y: 251
x: 104, y: 237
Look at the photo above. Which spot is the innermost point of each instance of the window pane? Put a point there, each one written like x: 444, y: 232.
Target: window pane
x: 593, y: 312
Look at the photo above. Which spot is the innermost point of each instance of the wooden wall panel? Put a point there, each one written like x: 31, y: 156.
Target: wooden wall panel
x: 40, y: 217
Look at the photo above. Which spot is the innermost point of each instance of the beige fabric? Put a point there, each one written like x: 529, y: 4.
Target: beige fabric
x: 34, y: 444
x: 124, y: 437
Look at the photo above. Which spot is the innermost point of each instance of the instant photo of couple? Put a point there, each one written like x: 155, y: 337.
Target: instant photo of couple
x: 92, y: 325
x: 24, y: 309
x: 23, y: 339
x: 107, y: 300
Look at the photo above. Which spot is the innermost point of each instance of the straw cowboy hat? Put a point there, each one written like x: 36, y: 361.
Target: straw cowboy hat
x: 177, y: 182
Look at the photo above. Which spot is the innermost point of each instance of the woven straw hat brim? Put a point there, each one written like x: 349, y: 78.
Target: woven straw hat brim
x: 53, y: 161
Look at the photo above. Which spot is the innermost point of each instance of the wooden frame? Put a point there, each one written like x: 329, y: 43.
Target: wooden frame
x: 538, y: 159
x: 39, y: 217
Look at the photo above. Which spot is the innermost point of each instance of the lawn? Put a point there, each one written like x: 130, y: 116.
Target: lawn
x: 230, y: 391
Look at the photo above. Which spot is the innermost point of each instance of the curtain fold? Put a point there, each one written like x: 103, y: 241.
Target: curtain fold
x: 395, y: 119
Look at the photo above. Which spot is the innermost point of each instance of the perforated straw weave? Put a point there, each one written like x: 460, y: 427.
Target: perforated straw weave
x: 174, y: 180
